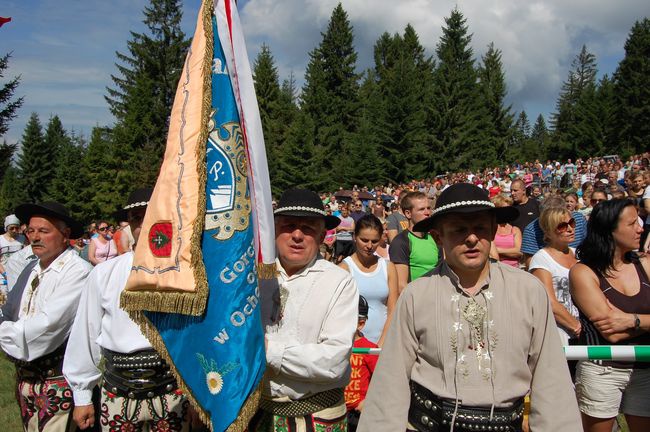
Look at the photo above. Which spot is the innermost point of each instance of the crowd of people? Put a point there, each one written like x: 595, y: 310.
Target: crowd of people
x: 469, y: 283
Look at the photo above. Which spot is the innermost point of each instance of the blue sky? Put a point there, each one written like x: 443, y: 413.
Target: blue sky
x: 64, y: 50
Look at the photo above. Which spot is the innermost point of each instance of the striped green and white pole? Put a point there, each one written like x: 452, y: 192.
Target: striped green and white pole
x: 640, y: 353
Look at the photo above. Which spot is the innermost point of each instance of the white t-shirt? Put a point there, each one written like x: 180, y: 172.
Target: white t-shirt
x: 8, y: 247
x: 646, y: 195
x: 560, y: 274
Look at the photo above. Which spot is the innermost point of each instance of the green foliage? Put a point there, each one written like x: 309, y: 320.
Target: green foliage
x: 7, y: 152
x: 8, y: 105
x: 403, y: 76
x: 568, y: 120
x: 69, y: 184
x: 330, y: 99
x: 492, y: 88
x: 277, y: 110
x: 35, y: 163
x: 141, y: 100
x: 458, y: 117
x: 632, y: 91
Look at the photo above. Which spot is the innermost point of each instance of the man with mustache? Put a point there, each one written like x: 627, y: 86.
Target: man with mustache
x: 134, y: 377
x: 309, y: 312
x: 38, y: 315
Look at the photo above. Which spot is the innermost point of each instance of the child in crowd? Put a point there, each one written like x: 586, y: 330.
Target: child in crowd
x: 363, y: 366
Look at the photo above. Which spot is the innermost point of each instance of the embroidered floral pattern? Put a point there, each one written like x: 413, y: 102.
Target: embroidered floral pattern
x: 45, y: 401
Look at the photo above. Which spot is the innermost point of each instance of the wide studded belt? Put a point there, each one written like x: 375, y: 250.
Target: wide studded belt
x: 138, y: 375
x: 429, y: 413
x: 46, y: 367
x: 302, y: 407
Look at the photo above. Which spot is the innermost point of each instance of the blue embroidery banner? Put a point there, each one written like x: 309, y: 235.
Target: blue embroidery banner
x: 220, y: 354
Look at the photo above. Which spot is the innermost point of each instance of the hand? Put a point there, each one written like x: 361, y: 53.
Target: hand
x: 360, y: 406
x: 616, y: 321
x: 577, y: 330
x: 84, y: 416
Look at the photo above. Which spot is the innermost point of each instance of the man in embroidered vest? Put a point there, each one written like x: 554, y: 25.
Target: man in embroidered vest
x: 138, y: 391
x: 38, y: 315
x: 471, y: 338
x: 309, y: 312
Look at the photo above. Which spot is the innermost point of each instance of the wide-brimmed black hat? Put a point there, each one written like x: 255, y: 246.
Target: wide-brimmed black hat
x: 138, y: 198
x: 363, y: 307
x: 465, y: 198
x: 304, y: 203
x: 50, y: 209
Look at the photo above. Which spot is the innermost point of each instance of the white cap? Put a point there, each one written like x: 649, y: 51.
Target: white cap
x: 11, y: 220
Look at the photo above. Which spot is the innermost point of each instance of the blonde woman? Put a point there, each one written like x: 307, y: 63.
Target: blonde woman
x: 551, y: 265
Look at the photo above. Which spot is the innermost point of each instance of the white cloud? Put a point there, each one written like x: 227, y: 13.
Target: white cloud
x: 538, y: 39
x: 65, y: 49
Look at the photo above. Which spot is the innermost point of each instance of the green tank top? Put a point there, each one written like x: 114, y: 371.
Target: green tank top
x: 424, y: 255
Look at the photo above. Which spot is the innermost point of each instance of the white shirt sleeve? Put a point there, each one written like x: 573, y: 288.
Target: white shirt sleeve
x: 34, y: 336
x: 83, y: 354
x: 327, y: 359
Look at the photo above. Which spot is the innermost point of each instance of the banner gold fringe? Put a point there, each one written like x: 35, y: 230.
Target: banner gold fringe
x: 196, y: 260
x: 266, y: 271
x: 193, y: 303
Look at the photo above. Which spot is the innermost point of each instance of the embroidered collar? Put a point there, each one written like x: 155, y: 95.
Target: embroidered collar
x: 58, y: 263
x: 316, y: 264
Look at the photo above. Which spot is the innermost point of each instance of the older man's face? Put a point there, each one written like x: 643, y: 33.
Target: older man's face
x: 49, y: 238
x: 297, y: 240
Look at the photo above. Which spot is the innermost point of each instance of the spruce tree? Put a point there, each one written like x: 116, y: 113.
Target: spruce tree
x: 10, y: 196
x: 458, y: 118
x: 520, y: 138
x: 404, y: 77
x: 142, y: 97
x: 69, y: 184
x: 493, y: 93
x: 539, y: 138
x: 8, y: 105
x: 276, y: 111
x: 7, y: 152
x: 581, y: 78
x: 330, y: 98
x: 54, y: 140
x: 34, y: 163
x: 632, y: 91
x: 104, y: 189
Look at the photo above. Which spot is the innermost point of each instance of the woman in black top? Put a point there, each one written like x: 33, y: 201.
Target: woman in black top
x: 610, y: 287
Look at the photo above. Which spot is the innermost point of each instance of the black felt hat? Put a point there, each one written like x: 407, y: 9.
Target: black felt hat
x: 53, y: 210
x: 465, y: 198
x: 138, y: 198
x: 304, y: 203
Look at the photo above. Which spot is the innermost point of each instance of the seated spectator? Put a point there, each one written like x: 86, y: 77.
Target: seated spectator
x: 344, y: 245
x: 551, y: 265
x: 102, y: 248
x: 533, y: 236
x: 611, y: 289
x: 507, y: 240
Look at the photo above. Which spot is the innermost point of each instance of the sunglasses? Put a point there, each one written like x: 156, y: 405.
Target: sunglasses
x: 102, y: 229
x: 563, y: 226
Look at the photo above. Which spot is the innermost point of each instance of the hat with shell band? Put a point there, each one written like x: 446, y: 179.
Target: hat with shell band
x: 304, y: 203
x: 138, y: 198
x: 465, y: 198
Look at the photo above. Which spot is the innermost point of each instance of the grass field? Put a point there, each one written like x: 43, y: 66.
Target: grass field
x: 9, y: 414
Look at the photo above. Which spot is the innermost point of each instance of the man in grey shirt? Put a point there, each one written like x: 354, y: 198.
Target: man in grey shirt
x: 469, y: 340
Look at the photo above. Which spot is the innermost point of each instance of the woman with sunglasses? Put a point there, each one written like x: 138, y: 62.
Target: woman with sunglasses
x: 551, y: 265
x: 102, y: 247
x: 611, y: 289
